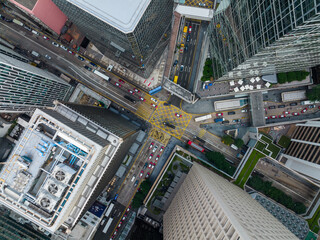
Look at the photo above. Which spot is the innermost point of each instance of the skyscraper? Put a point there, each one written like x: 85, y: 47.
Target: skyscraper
x: 253, y: 38
x: 131, y: 30
x: 24, y: 87
x: 62, y: 162
x: 209, y: 207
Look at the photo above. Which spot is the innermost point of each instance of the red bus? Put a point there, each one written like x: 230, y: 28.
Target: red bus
x: 192, y: 144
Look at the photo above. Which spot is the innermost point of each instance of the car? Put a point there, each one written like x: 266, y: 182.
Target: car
x: 186, y: 48
x: 93, y: 64
x: 47, y: 56
x: 27, y: 28
x: 153, y: 105
x: 202, y: 4
x: 55, y: 44
x: 175, y: 63
x: 295, y: 114
x: 178, y: 115
x: 219, y: 114
x: 188, y: 38
x: 266, y: 118
x: 150, y: 157
x: 155, y: 148
x: 151, y: 145
x: 293, y: 104
x: 142, y: 99
x: 119, y: 225
x: 147, y: 176
x: 63, y: 47
x: 136, y: 90
x: 71, y: 52
x: 161, y: 149
x: 124, y: 218
x: 304, y: 110
x: 120, y: 80
x: 152, y: 165
x: 80, y: 58
x: 273, y: 116
x: 281, y: 106
x: 286, y: 112
x: 136, y: 183
x: 244, y: 110
x: 141, y: 173
x: 282, y: 116
x: 190, y: 29
x: 46, y: 38
x: 154, y: 100
x: 231, y: 113
x: 145, y: 165
x: 181, y: 68
x: 157, y: 157
x: 311, y: 106
x: 88, y: 68
x: 130, y: 91
x: 272, y: 107
x: 118, y: 84
x: 149, y: 166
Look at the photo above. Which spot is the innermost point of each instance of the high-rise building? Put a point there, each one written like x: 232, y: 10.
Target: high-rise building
x: 303, y: 153
x: 253, y: 38
x: 62, y: 162
x: 207, y: 206
x: 24, y: 87
x: 132, y: 30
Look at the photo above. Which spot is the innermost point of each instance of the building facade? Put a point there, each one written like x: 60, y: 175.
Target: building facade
x: 303, y: 153
x: 24, y: 87
x: 133, y: 31
x: 62, y: 162
x: 207, y: 206
x: 253, y: 38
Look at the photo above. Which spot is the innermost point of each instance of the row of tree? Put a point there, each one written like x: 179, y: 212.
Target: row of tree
x: 220, y: 162
x: 267, y: 189
x: 141, y: 193
x: 228, y: 140
x: 292, y: 76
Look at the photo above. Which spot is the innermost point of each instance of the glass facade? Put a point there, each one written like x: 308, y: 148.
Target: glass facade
x: 139, y: 47
x: 23, y: 90
x: 252, y: 38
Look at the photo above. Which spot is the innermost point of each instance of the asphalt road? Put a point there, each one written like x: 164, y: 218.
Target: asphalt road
x: 69, y: 64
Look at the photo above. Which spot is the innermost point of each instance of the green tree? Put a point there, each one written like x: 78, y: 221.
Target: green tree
x: 228, y: 140
x: 219, y: 161
x: 140, y: 195
x: 238, y: 142
x: 314, y: 94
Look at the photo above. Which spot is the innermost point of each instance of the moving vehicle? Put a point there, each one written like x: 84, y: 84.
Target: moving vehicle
x: 35, y: 32
x: 145, y: 165
x: 154, y: 100
x: 141, y: 173
x: 185, y: 29
x: 80, y: 58
x: 153, y: 105
x: 304, y: 110
x: 34, y: 53
x: 63, y: 47
x: 178, y: 115
x: 155, y: 148
x: 175, y: 80
x: 234, y: 147
x: 136, y: 90
x: 157, y: 158
x: 192, y: 144
x: 106, y: 227
x: 46, y: 38
x: 272, y: 107
x: 188, y: 38
x: 147, y: 176
x: 175, y: 63
x: 133, y: 177
x: 142, y: 99
x: 117, y: 84
x: 151, y: 145
x: 120, y: 80
x: 105, y: 77
x: 55, y: 44
x: 231, y: 113
x: 219, y: 114
x: 130, y: 99
x: 110, y: 67
x: 295, y: 114
x: 88, y: 68
x: 150, y: 157
x: 190, y: 29
x: 202, y: 118
x: 181, y: 68
x: 218, y: 120
x: 47, y: 56
x: 169, y: 125
x: 136, y: 183
x: 161, y: 149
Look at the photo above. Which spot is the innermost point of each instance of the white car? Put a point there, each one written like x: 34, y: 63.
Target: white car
x: 55, y: 44
x: 47, y: 56
x: 63, y: 47
x: 155, y: 148
x: 154, y: 100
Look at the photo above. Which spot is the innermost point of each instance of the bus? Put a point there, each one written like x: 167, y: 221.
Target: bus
x: 202, y: 118
x: 101, y: 75
x: 106, y: 227
x: 109, y: 210
x: 175, y: 79
x: 192, y: 144
x: 153, y: 91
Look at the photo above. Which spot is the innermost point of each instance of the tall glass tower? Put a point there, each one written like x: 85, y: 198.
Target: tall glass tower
x: 260, y: 37
x: 24, y: 87
x: 130, y: 30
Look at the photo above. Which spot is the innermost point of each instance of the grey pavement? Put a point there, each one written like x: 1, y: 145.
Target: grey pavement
x: 219, y: 129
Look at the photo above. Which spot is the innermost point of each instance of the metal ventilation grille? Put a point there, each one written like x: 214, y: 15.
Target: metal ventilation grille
x: 45, y: 202
x: 53, y: 188
x: 60, y: 175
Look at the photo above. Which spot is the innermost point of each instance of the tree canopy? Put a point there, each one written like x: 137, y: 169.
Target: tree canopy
x: 238, y: 142
x: 228, y: 140
x: 314, y: 94
x: 220, y: 162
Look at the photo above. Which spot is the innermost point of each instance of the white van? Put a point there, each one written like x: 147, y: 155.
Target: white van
x: 110, y: 67
x: 35, y: 32
x: 133, y: 178
x: 34, y: 53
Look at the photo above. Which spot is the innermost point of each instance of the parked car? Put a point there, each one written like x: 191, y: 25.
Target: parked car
x: 148, y: 175
x: 281, y: 106
x: 55, y: 44
x: 273, y: 116
x: 136, y: 90
x: 142, y: 99
x: 304, y: 110
x: 178, y: 115
x: 312, y: 106
x: 244, y: 110
x: 293, y: 104
x: 190, y: 29
x: 151, y: 145
x: 80, y: 58
x: 150, y: 157
x: 181, y: 68
x: 295, y: 114
x: 155, y: 148
x: 154, y: 100
x: 141, y: 173
x: 231, y: 113
x: 272, y: 107
x: 63, y: 47
x: 88, y: 68
x: 47, y: 56
x: 130, y: 91
x: 161, y: 149
x: 219, y: 114
x: 286, y: 112
x: 120, y: 80
x: 153, y: 105
x: 157, y: 158
x: 118, y: 84
x: 175, y: 63
x: 145, y: 165
x: 46, y: 38
x: 282, y: 116
x: 188, y: 38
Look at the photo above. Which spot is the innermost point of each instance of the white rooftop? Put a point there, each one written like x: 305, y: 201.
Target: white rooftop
x: 121, y: 14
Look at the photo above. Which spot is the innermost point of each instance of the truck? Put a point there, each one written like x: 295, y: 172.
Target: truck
x: 195, y: 146
x: 101, y: 75
x: 308, y: 102
x: 202, y: 118
x: 217, y: 120
x: 109, y: 209
x: 234, y: 147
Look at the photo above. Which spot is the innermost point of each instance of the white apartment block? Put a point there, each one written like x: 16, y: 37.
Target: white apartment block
x: 209, y: 207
